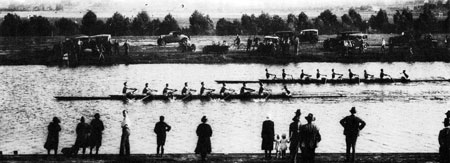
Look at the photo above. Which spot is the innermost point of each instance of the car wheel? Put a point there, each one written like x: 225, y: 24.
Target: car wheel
x: 193, y: 48
x: 161, y: 42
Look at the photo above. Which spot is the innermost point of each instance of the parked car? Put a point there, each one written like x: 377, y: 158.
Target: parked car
x: 309, y: 35
x: 350, y: 39
x: 173, y: 37
x: 410, y: 39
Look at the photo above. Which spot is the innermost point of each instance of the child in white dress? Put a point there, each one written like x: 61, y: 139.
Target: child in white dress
x: 283, y: 145
x: 277, y: 146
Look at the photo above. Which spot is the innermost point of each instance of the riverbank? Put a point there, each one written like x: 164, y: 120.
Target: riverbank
x: 235, y: 157
x: 143, y: 50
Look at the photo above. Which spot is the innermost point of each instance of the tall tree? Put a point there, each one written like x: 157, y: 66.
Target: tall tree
x: 292, y: 22
x: 278, y: 24
x: 426, y: 22
x: 168, y: 24
x: 303, y: 22
x: 249, y: 25
x: 66, y: 27
x: 264, y: 22
x: 200, y: 24
x: 118, y: 25
x: 88, y: 23
x: 141, y: 24
x: 329, y: 21
x: 356, y: 18
x: 380, y: 21
x: 10, y: 25
x: 40, y: 26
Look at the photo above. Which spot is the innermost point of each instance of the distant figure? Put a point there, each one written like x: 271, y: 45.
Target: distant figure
x: 286, y: 91
x: 53, y: 136
x: 383, y: 44
x: 237, y: 41
x: 125, y: 89
x: 404, y: 75
x: 447, y: 118
x: 283, y: 145
x: 294, y: 136
x: 83, y: 131
x: 446, y: 41
x: 186, y: 90
x: 268, y: 75
x: 367, y: 76
x: 296, y: 45
x: 204, y: 90
x: 352, y: 125
x: 382, y: 74
x: 160, y: 130
x: 444, y: 143
x: 277, y: 146
x: 249, y: 44
x: 304, y: 75
x: 147, y: 90
x: 263, y: 91
x: 267, y: 135
x: 126, y: 47
x: 245, y: 91
x: 351, y: 74
x: 309, y: 138
x: 333, y: 74
x: 224, y: 90
x: 204, y: 133
x: 116, y: 47
x: 96, y: 133
x: 168, y: 91
x: 125, y: 139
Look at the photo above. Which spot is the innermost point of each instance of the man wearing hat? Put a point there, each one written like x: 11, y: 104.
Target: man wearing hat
x: 447, y: 119
x: 444, y: 143
x: 352, y: 125
x: 268, y: 136
x: 294, y: 135
x: 309, y: 138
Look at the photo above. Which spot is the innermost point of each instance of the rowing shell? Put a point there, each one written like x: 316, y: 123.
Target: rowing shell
x: 194, y: 97
x: 333, y: 81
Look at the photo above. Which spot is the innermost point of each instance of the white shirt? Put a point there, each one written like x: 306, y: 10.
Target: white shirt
x: 126, y: 121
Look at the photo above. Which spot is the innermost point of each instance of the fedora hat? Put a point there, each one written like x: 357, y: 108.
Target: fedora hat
x: 204, y: 119
x: 298, y: 112
x: 310, y: 117
x: 353, y: 110
x: 448, y: 112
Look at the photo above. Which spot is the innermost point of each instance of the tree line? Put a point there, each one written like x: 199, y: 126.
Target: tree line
x: 201, y: 24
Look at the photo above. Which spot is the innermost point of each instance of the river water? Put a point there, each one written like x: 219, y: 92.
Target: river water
x: 408, y: 123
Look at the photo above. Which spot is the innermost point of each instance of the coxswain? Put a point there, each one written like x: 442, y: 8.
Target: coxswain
x: 268, y: 75
x: 147, y: 90
x: 306, y: 76
x: 286, y: 91
x: 318, y: 75
x: 168, y: 91
x: 224, y: 89
x: 125, y: 89
x: 382, y: 74
x: 367, y: 76
x: 262, y: 90
x: 333, y: 74
x: 186, y: 90
x: 351, y: 74
x: 405, y: 76
x: 203, y: 89
x: 245, y: 90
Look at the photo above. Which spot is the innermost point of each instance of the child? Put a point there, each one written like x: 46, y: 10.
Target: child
x: 277, y: 147
x: 283, y: 145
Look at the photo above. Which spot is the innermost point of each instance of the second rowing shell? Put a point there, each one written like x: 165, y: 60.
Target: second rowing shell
x: 332, y: 81
x: 195, y: 97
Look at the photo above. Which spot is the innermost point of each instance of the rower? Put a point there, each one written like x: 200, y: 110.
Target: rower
x: 147, y: 90
x: 382, y: 74
x: 168, y: 91
x: 333, y: 74
x: 405, y: 76
x: 318, y: 75
x: 307, y: 76
x: 269, y: 74
x: 286, y: 91
x: 351, y: 74
x: 125, y: 89
x: 367, y: 76
x: 262, y: 90
x: 186, y: 90
x: 245, y: 90
x: 224, y: 89
x: 203, y: 89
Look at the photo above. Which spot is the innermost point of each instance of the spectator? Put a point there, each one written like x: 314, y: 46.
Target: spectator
x: 53, y: 136
x: 160, y: 129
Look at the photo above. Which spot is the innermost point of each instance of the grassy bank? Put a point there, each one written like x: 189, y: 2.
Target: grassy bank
x: 213, y: 158
x: 38, y: 50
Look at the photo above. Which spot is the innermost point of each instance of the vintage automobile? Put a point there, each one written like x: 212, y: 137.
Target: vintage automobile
x: 349, y: 39
x: 309, y: 35
x: 410, y: 39
x: 173, y: 37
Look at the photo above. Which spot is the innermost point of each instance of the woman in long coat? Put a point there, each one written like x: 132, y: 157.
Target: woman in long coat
x: 96, y: 133
x: 267, y: 135
x: 204, y: 133
x: 82, y: 140
x: 53, y: 136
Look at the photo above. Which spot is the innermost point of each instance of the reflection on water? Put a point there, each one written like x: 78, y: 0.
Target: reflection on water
x: 400, y: 117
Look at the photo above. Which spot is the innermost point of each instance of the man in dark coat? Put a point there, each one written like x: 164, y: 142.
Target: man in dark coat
x: 268, y: 136
x: 444, y: 143
x: 294, y: 136
x: 352, y: 125
x: 160, y: 130
x: 53, y: 136
x: 96, y: 133
x: 447, y: 118
x: 309, y: 138
x: 204, y: 133
x: 83, y: 131
x: 126, y: 47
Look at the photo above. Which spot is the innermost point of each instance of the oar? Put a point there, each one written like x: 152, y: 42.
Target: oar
x: 267, y: 97
x: 185, y: 97
x: 146, y: 97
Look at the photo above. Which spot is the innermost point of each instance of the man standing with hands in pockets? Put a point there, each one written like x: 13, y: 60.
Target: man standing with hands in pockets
x: 352, y: 125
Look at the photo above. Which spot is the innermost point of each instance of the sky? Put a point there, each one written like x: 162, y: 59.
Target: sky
x: 212, y: 7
